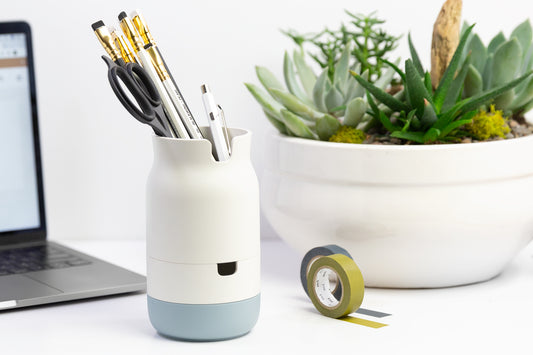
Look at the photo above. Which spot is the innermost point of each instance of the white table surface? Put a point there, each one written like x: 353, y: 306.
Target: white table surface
x: 487, y: 318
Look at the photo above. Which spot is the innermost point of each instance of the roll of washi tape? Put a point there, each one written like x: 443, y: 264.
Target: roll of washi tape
x: 343, y: 269
x: 314, y: 254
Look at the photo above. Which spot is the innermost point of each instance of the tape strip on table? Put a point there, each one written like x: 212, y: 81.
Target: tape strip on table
x: 371, y: 313
x: 365, y: 322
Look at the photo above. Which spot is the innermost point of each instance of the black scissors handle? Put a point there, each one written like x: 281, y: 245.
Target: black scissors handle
x: 145, y: 83
x: 147, y: 108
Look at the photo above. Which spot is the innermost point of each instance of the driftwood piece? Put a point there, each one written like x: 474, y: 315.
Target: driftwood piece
x: 446, y: 32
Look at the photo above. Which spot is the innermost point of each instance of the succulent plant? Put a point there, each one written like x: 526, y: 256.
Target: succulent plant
x: 369, y: 44
x: 425, y: 114
x: 500, y: 62
x: 313, y: 106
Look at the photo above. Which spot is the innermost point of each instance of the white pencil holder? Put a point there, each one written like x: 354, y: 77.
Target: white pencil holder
x: 203, y: 255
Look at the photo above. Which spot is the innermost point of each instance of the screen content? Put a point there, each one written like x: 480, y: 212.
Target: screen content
x: 19, y: 202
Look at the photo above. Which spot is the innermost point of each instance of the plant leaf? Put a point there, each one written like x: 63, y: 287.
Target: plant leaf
x: 296, y: 105
x: 381, y: 95
x: 473, y: 82
x: 333, y: 99
x: 395, y: 67
x: 358, y: 90
x: 524, y: 34
x: 447, y: 117
x: 427, y: 82
x: 464, y: 27
x: 528, y: 60
x: 355, y: 111
x: 414, y: 57
x: 506, y: 62
x: 528, y: 106
x: 342, y: 67
x: 319, y: 91
x: 478, y: 53
x: 450, y: 72
x: 417, y: 137
x: 296, y: 125
x: 372, y: 104
x: 456, y: 88
x: 327, y: 126
x: 495, y: 43
x: 339, y: 108
x: 415, y: 88
x: 525, y: 66
x: 349, y: 83
x: 474, y: 102
x: 267, y: 79
x: 350, y: 89
x: 371, y: 117
x: 429, y: 116
x: 410, y: 117
x: 487, y: 73
x: 290, y: 80
x: 431, y: 135
x: 525, y: 96
x: 280, y: 126
x: 387, y: 76
x: 306, y: 74
x: 454, y: 125
x: 386, y: 122
x: 266, y: 101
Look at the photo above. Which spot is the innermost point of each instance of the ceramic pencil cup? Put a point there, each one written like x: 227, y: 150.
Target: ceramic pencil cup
x: 203, y: 253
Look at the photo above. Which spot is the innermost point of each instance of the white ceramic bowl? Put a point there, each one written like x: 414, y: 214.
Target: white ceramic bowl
x: 411, y: 216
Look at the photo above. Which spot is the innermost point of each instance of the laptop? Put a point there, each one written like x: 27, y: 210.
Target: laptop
x: 32, y: 270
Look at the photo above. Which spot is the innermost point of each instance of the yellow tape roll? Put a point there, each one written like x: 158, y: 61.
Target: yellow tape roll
x: 335, y: 268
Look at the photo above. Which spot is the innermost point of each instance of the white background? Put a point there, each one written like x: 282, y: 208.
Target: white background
x: 97, y: 157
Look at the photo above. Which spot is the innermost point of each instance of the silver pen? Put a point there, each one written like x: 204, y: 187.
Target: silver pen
x: 214, y: 116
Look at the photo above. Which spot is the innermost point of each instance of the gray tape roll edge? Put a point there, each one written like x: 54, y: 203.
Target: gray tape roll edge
x: 315, y: 253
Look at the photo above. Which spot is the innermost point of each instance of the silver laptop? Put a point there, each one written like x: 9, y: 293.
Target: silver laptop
x: 32, y: 270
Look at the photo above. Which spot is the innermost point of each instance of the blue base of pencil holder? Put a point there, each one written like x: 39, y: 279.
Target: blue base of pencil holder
x: 204, y: 322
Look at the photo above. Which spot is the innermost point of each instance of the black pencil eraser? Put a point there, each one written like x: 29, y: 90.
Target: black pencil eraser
x: 97, y: 25
x: 122, y: 15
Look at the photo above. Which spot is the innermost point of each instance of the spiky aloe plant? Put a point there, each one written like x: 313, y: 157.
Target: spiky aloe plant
x: 314, y: 106
x: 426, y: 115
x: 502, y: 61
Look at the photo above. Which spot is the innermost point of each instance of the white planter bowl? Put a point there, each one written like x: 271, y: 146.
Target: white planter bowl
x: 411, y: 216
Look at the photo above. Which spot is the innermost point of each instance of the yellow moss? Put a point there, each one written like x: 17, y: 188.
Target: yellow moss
x: 487, y: 125
x: 347, y: 134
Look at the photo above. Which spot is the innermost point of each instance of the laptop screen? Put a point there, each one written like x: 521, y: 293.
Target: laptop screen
x: 19, y: 197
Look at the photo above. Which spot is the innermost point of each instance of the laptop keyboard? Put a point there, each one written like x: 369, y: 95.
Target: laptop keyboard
x: 42, y: 257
